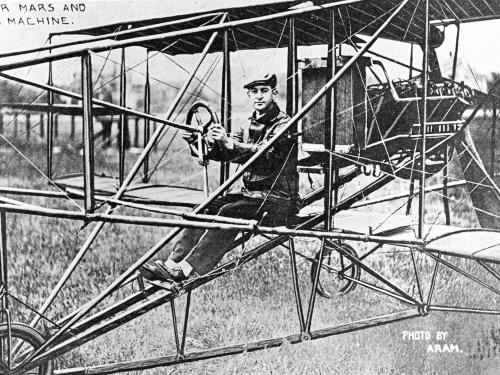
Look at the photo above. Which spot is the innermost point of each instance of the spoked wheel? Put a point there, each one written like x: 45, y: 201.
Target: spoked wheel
x: 332, y: 280
x: 205, y: 116
x: 23, y: 341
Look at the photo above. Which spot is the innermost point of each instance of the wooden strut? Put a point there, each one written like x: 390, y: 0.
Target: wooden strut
x: 296, y: 287
x: 147, y: 125
x: 50, y: 120
x: 3, y: 262
x: 493, y: 135
x: 226, y: 99
x: 241, y: 348
x: 417, y: 276
x: 88, y: 134
x: 423, y: 125
x: 122, y: 121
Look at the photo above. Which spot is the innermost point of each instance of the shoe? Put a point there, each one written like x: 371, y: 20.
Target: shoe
x: 160, y: 271
x: 172, y: 273
x: 149, y: 272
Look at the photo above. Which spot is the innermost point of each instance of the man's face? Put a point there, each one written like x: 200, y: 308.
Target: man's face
x: 262, y: 97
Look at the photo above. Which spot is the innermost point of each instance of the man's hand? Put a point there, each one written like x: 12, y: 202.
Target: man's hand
x: 218, y: 133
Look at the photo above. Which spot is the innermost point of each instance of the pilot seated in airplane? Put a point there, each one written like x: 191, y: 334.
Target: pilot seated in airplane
x: 269, y: 193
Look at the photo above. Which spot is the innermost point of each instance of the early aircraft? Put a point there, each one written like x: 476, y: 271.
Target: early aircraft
x: 350, y: 128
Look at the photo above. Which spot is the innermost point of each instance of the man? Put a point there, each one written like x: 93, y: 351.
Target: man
x: 270, y: 186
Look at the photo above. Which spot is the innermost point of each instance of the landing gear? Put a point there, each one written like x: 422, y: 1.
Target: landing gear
x: 338, y: 272
x: 16, y: 345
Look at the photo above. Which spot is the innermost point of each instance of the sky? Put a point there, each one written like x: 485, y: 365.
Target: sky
x: 479, y: 42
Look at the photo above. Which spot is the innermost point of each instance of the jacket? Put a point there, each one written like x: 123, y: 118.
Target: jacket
x: 273, y: 175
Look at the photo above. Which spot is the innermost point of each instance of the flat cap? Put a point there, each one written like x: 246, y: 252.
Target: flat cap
x: 262, y: 79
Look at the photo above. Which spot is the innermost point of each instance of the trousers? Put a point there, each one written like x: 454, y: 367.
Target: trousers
x: 203, y: 250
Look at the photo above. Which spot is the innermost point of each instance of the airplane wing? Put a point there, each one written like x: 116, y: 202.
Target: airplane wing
x: 107, y: 186
x: 471, y: 243
x: 362, y: 17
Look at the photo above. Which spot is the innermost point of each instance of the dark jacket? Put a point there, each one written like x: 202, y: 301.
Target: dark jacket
x: 274, y: 175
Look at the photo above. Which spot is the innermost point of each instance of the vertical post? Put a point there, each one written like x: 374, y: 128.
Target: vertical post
x: 50, y: 120
x: 330, y: 123
x: 1, y: 123
x: 72, y: 131
x: 330, y: 140
x: 122, y: 119
x: 423, y: 132
x: 292, y: 78
x: 493, y: 134
x: 136, y: 132
x: 411, y: 61
x: 3, y: 259
x: 28, y: 126
x: 147, y: 109
x: 446, y: 199
x: 88, y: 132
x: 56, y: 125
x: 15, y: 124
x: 295, y: 280
x: 225, y: 99
x: 455, y: 56
x: 42, y: 125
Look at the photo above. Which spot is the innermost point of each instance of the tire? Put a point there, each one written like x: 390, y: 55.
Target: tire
x: 331, y: 282
x: 30, y: 338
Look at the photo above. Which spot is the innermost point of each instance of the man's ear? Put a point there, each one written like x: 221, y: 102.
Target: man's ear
x: 275, y: 91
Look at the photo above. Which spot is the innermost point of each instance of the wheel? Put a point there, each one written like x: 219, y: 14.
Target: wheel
x: 331, y: 279
x: 205, y: 116
x: 24, y: 340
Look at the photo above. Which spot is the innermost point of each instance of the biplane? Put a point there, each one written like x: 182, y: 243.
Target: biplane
x: 356, y: 125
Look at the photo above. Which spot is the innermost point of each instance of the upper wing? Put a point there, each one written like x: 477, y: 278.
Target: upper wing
x: 363, y: 17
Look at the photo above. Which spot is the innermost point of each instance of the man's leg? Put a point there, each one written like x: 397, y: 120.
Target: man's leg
x: 188, y: 238
x: 216, y: 243
x: 184, y: 243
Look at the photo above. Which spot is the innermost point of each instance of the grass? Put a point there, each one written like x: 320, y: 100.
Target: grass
x: 255, y: 302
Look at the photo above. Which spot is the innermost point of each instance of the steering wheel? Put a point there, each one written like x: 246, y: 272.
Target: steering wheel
x: 205, y: 116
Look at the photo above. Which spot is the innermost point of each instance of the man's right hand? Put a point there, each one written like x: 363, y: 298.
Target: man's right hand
x: 217, y: 133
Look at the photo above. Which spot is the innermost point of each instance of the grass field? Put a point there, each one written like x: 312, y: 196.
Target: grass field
x: 252, y: 303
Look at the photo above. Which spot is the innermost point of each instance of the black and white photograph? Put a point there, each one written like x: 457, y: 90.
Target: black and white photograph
x: 250, y: 187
